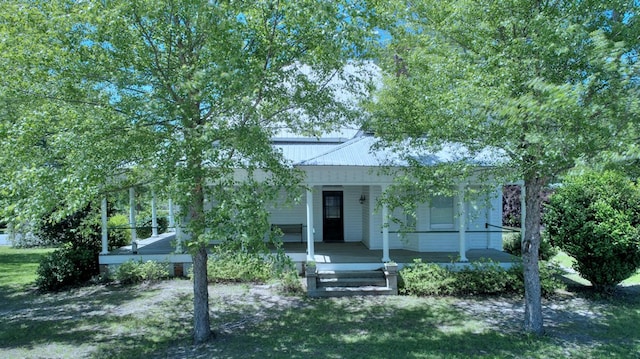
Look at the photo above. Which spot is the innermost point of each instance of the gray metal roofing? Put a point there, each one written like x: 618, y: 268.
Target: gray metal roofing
x: 361, y: 151
x: 355, y: 152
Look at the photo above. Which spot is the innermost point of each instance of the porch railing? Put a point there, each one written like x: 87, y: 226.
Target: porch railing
x: 486, y: 225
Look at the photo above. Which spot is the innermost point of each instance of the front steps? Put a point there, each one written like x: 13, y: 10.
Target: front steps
x: 344, y: 283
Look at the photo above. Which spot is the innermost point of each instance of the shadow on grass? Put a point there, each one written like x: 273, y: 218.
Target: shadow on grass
x: 166, y: 325
x: 426, y: 327
x: 132, y: 322
x: 370, y: 328
x: 75, y: 317
x: 250, y: 326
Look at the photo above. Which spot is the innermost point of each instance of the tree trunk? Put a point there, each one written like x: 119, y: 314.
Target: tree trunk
x: 201, y: 319
x: 530, y: 254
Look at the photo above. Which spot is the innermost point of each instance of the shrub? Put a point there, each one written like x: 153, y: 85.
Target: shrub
x: 76, y: 261
x: 119, y: 232
x: 512, y: 244
x: 481, y: 277
x: 550, y: 278
x: 80, y: 229
x: 145, y: 228
x: 423, y: 279
x: 237, y: 266
x: 133, y: 271
x: 595, y: 218
x: 290, y: 283
x: 23, y: 236
x: 66, y: 267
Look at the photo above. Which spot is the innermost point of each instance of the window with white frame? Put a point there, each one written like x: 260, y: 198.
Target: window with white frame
x: 441, y: 212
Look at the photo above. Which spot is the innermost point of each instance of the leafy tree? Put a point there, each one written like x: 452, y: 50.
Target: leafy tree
x: 528, y: 87
x: 183, y: 96
x: 595, y: 218
x: 80, y: 230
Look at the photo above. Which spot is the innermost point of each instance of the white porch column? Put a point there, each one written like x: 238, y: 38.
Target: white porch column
x: 385, y: 231
x: 310, y: 242
x: 172, y: 221
x: 462, y: 224
x: 154, y: 215
x: 11, y: 231
x: 105, y: 232
x: 179, y: 239
x: 132, y: 214
x: 523, y: 210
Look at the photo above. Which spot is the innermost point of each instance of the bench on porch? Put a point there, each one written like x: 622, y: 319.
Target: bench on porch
x: 289, y: 229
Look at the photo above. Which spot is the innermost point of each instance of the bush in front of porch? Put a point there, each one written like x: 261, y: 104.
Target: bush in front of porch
x: 78, y: 239
x: 483, y: 277
x: 132, y: 271
x: 232, y: 265
x: 512, y: 244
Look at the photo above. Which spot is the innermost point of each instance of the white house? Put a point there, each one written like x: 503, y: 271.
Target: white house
x: 344, y: 183
x: 341, y: 223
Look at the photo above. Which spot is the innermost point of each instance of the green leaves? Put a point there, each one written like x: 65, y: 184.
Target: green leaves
x: 97, y: 90
x: 183, y: 96
x: 594, y: 218
x: 518, y: 75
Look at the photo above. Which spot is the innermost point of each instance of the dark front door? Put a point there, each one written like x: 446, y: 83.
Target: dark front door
x: 332, y: 219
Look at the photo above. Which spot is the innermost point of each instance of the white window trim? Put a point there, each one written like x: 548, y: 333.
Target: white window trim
x: 443, y: 226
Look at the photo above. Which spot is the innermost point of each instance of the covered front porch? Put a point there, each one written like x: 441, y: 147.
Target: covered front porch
x: 327, y: 256
x: 355, y: 255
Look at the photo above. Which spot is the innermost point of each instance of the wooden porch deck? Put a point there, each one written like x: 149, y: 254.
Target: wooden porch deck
x: 357, y: 252
x: 347, y: 252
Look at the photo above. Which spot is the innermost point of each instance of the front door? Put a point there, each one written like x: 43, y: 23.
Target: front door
x: 332, y: 219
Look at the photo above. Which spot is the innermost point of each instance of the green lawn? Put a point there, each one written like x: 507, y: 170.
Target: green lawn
x: 567, y: 261
x: 153, y: 320
x: 18, y: 266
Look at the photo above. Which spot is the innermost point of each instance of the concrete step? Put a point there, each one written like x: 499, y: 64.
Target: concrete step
x: 350, y: 279
x: 351, y: 274
x: 350, y: 291
x: 352, y: 282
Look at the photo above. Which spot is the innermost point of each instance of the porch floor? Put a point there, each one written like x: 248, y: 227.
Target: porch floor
x: 357, y: 252
x: 347, y: 252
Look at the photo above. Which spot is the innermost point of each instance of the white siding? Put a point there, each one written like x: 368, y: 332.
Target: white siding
x: 290, y: 214
x: 366, y: 220
x: 344, y: 176
x: 352, y: 213
x: 375, y: 219
x: 479, y: 212
x: 362, y: 222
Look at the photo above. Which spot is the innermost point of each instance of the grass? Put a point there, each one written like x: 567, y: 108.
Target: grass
x: 567, y: 261
x: 254, y: 322
x: 18, y: 266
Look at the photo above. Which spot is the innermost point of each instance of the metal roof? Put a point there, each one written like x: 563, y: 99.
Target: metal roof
x: 354, y: 152
x: 362, y: 151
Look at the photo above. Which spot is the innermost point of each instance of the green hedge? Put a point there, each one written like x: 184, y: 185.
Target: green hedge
x: 65, y: 267
x: 482, y: 277
x: 133, y: 271
x: 236, y: 266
